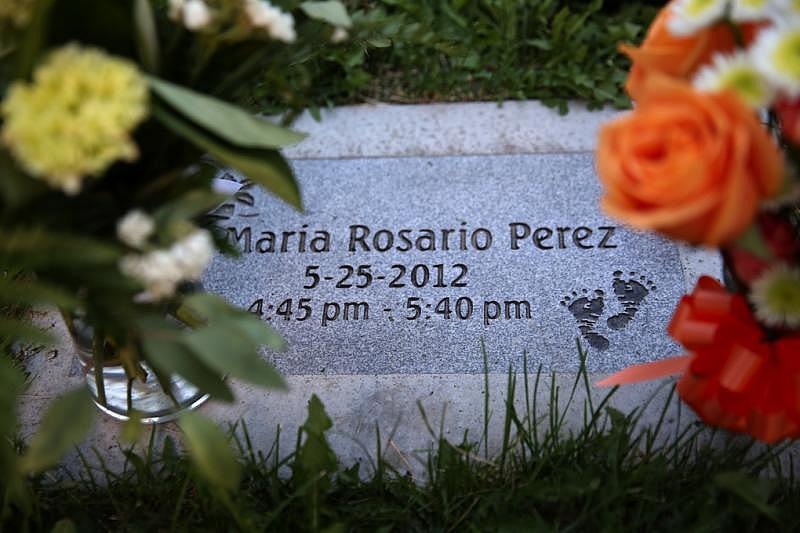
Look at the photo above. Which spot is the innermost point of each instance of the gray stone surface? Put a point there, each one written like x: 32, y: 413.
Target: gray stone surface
x: 359, y: 402
x: 554, y: 264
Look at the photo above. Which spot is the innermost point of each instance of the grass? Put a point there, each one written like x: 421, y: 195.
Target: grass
x: 412, y: 51
x: 609, y: 475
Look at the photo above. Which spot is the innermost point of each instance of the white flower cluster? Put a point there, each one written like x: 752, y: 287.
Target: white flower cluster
x: 278, y: 24
x: 194, y: 14
x: 261, y: 15
x: 160, y: 271
x: 769, y: 68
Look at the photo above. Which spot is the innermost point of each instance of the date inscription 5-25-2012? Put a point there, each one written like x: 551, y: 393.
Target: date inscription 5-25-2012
x: 399, y: 276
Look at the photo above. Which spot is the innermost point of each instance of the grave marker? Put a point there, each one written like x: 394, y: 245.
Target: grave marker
x: 402, y: 266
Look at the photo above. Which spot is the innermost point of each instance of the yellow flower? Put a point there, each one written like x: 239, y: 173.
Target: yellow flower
x: 74, y: 120
x: 17, y: 11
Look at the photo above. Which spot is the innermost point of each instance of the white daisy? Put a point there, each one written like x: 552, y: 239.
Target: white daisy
x: 192, y: 253
x: 339, y: 35
x: 135, y: 228
x: 260, y: 14
x: 161, y: 271
x: 283, y: 29
x: 196, y: 15
x: 776, y: 297
x: 157, y: 271
x: 276, y: 23
x: 735, y: 72
x: 776, y: 54
x: 783, y: 8
x: 746, y: 10
x: 688, y: 16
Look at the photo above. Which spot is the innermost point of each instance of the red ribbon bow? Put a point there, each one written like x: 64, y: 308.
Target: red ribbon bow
x: 732, y: 377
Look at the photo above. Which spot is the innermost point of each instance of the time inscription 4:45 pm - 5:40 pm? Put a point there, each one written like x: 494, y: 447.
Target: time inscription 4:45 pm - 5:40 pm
x: 415, y: 309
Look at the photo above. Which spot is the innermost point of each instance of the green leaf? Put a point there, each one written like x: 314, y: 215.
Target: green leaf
x: 34, y: 39
x: 146, y: 34
x: 31, y: 247
x: 754, y: 492
x: 226, y: 349
x: 455, y: 17
x: 318, y: 421
x: 188, y: 205
x: 229, y: 122
x: 164, y: 348
x: 15, y: 187
x: 64, y: 425
x: 35, y: 292
x: 65, y: 525
x: 753, y: 242
x: 12, y: 330
x: 315, y: 458
x: 132, y: 429
x: 207, y: 305
x: 332, y: 12
x: 210, y: 451
x: 213, y: 308
x: 172, y: 358
x: 259, y: 333
x: 379, y: 42
x: 228, y: 344
x: 265, y: 167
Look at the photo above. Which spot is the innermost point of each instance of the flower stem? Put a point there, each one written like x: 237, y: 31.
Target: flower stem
x: 738, y: 36
x: 97, y: 356
x: 129, y: 397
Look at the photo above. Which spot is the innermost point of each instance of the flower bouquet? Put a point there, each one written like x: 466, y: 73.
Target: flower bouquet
x: 115, y: 118
x: 710, y: 156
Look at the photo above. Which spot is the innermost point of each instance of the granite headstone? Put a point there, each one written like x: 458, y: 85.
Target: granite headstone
x: 403, y: 265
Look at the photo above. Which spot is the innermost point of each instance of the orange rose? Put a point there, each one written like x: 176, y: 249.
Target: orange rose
x: 693, y: 166
x: 677, y: 57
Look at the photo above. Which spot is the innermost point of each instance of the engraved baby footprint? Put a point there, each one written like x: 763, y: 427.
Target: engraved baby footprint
x: 631, y: 293
x: 587, y: 312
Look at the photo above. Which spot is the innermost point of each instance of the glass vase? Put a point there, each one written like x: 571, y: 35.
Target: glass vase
x: 120, y: 397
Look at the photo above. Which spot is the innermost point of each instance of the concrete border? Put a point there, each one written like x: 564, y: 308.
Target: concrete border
x: 478, y: 128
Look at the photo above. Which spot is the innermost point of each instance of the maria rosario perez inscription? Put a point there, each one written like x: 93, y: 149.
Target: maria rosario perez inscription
x: 361, y: 238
